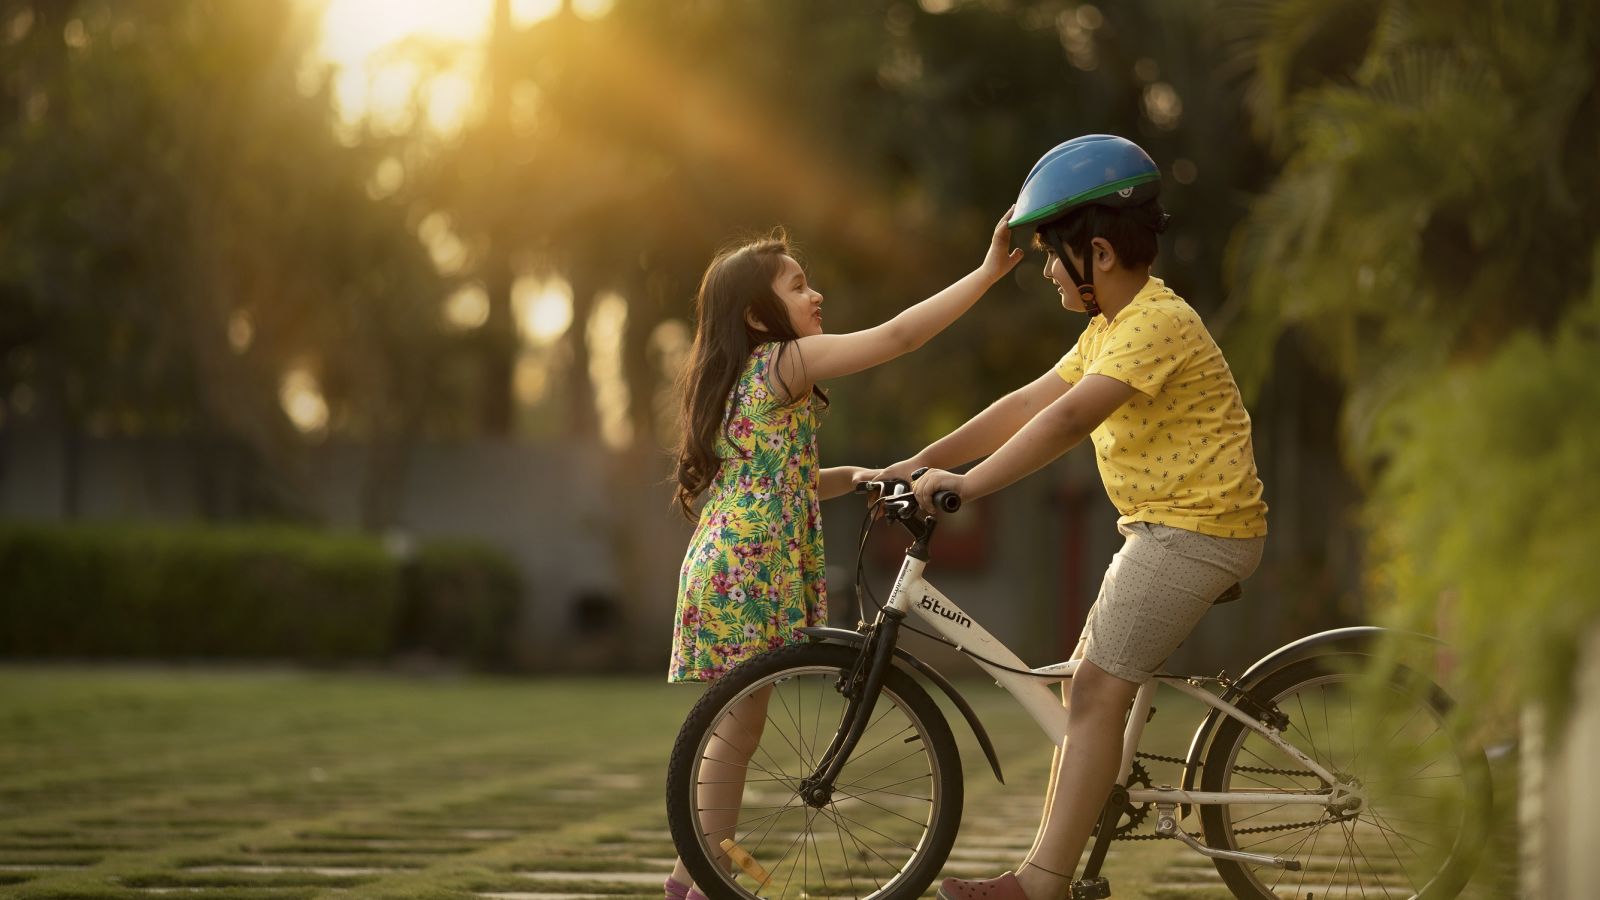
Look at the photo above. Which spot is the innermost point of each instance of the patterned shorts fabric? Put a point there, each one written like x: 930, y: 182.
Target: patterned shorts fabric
x: 1158, y: 586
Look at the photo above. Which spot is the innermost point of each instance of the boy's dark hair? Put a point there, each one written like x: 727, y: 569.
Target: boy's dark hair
x: 1131, y: 231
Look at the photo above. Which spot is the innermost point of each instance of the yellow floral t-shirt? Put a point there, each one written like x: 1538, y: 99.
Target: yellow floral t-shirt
x: 1179, y: 452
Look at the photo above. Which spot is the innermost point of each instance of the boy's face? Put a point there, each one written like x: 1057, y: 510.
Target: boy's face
x: 1105, y: 259
x: 1056, y: 274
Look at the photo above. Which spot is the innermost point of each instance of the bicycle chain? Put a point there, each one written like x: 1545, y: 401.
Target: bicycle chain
x: 1258, y: 769
x: 1292, y: 826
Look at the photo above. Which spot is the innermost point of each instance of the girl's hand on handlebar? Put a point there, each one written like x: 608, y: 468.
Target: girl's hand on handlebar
x: 934, y: 481
x: 900, y: 471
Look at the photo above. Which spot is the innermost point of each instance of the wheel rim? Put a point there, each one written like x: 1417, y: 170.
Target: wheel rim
x: 1417, y: 787
x: 867, y: 839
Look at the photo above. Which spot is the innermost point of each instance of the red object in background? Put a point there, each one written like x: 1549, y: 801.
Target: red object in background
x: 1070, y: 501
x: 961, y: 544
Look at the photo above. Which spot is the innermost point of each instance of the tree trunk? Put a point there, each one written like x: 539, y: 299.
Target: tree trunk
x: 583, y: 421
x: 500, y: 331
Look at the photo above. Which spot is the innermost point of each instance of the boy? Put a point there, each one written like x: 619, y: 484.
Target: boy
x: 1149, y: 386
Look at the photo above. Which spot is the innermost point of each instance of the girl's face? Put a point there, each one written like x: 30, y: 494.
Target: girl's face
x: 803, y: 302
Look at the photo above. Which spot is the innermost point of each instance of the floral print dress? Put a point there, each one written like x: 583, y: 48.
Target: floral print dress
x: 754, y: 569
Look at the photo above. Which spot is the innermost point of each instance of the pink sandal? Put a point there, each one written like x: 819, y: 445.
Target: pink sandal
x: 677, y: 890
x: 1005, y: 887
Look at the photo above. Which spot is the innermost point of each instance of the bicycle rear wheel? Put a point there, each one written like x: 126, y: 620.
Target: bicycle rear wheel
x: 896, y: 804
x: 1427, y: 795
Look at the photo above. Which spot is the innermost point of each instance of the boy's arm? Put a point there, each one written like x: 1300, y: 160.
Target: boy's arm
x: 1051, y: 433
x: 985, y: 432
x: 839, y: 480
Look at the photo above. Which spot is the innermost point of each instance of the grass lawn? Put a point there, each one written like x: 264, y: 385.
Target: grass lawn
x: 127, y: 782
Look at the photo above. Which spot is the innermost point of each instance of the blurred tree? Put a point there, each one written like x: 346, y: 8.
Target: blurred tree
x: 1432, y: 234
x: 183, y: 231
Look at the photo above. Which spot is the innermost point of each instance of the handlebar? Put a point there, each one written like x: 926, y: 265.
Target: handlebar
x: 898, y: 507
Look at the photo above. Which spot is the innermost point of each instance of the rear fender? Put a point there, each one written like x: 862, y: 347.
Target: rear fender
x: 909, y: 663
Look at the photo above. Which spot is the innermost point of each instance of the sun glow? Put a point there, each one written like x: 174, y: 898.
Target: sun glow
x: 364, y: 41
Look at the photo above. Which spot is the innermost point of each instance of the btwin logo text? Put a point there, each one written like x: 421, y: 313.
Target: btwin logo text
x: 933, y: 606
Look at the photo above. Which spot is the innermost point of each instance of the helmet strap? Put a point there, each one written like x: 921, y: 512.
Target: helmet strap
x: 1085, y: 285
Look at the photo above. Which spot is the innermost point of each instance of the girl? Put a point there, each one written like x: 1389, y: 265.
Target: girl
x: 754, y: 569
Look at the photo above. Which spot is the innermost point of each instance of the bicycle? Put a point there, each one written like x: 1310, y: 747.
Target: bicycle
x: 857, y: 801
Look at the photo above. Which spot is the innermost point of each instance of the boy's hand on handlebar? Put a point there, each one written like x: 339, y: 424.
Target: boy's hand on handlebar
x: 932, y: 482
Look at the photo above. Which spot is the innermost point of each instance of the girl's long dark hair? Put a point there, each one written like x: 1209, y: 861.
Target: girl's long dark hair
x: 738, y: 280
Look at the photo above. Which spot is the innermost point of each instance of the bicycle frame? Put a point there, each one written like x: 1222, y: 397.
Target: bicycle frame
x: 914, y: 595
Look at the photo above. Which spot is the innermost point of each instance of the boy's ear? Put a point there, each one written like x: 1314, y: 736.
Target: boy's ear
x: 1105, y: 255
x: 751, y: 320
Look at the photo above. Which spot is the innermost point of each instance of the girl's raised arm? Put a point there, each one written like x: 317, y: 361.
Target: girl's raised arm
x: 822, y: 356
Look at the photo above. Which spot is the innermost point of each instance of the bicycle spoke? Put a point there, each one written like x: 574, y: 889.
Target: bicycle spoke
x: 855, y: 784
x: 783, y: 856
x: 771, y: 722
x: 816, y: 851
x: 1350, y: 851
x: 1292, y: 850
x: 1263, y: 812
x: 842, y: 817
x: 772, y: 816
x: 752, y: 764
x: 1382, y: 823
x: 916, y: 752
x: 886, y: 809
x: 843, y: 829
x: 1304, y: 717
x: 795, y: 717
x: 874, y: 831
x: 867, y: 730
x: 1399, y: 863
x: 752, y: 735
x: 894, y: 794
x: 741, y: 780
x: 816, y: 725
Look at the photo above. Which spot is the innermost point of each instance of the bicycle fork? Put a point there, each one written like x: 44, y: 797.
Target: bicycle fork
x: 861, y: 689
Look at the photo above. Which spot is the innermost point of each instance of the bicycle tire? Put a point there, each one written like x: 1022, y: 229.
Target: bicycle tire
x: 813, y: 668
x: 1391, y: 847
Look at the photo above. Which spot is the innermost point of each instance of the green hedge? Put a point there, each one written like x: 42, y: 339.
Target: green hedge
x: 461, y: 603
x: 245, y: 592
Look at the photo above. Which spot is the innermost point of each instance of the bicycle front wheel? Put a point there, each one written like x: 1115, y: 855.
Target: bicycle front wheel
x: 1424, y: 794
x: 896, y: 804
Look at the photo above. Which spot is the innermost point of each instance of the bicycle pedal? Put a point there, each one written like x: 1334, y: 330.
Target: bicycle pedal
x: 1089, y: 889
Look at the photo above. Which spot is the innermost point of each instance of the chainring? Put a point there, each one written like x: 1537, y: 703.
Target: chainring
x: 1136, y: 813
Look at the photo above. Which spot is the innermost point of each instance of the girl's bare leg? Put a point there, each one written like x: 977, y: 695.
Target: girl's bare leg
x: 722, y: 773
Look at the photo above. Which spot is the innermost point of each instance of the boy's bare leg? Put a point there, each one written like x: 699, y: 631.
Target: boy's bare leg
x: 1055, y: 757
x: 1086, y: 767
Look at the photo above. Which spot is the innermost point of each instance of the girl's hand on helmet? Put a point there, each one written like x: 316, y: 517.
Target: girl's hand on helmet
x: 1002, y: 257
